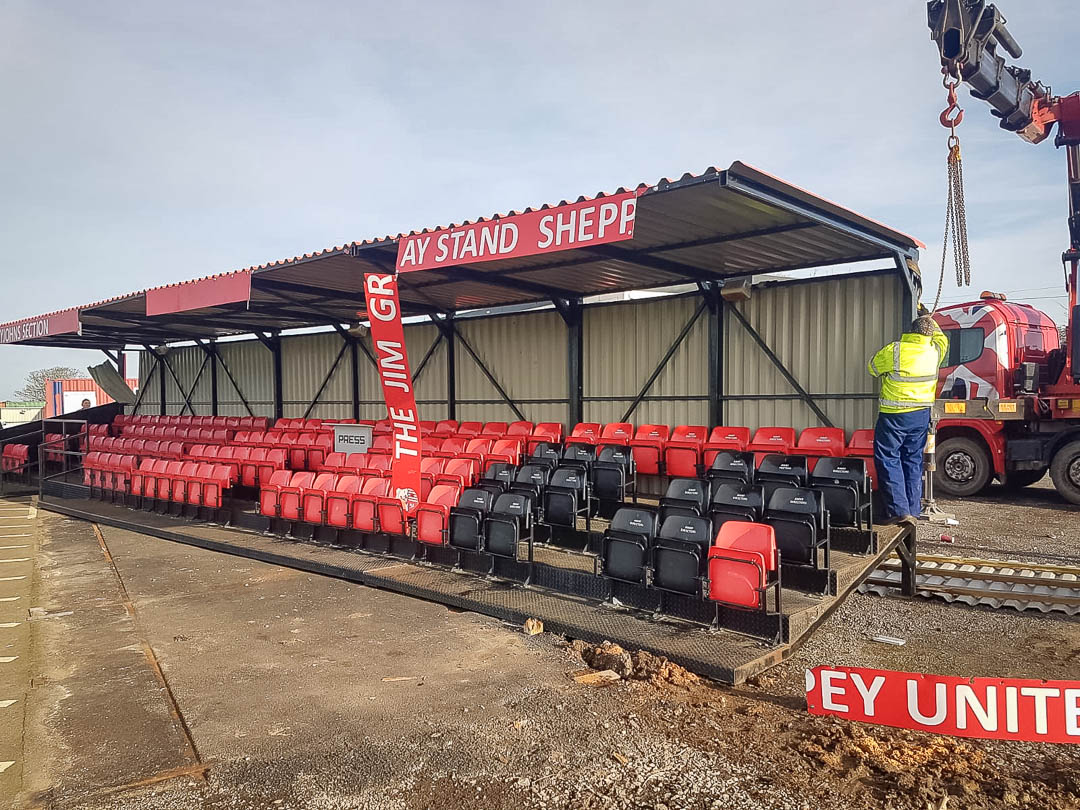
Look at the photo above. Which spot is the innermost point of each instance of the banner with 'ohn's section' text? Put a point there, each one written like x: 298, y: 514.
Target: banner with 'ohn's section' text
x: 388, y: 337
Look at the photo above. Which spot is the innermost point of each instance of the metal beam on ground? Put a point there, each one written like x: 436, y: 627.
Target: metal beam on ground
x: 663, y: 362
x: 795, y: 384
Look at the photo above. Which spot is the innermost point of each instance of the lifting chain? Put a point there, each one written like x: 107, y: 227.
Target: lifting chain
x: 955, y: 211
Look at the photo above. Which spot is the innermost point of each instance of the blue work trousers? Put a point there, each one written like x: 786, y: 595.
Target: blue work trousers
x: 899, y: 441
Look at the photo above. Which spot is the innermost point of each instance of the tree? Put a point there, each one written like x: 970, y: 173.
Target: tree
x: 33, y: 389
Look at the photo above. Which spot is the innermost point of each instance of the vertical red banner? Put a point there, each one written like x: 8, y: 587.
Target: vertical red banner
x: 388, y: 337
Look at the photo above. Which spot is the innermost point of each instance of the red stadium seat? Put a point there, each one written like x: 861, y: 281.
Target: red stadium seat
x: 362, y: 504
x: 584, y: 433
x: 506, y: 451
x: 141, y: 477
x: 458, y: 472
x: 298, y: 453
x: 178, y: 492
x: 270, y: 494
x: 861, y: 446
x: 391, y: 515
x: 771, y: 440
x: 682, y: 451
x: 821, y: 442
x: 289, y: 499
x: 249, y: 467
x: 725, y: 438
x: 430, y: 445
x: 313, y: 498
x: 382, y: 445
x: 470, y: 429
x: 324, y: 444
x: 545, y: 432
x: 452, y: 447
x: 478, y: 449
x: 356, y: 462
x: 446, y: 427
x: 378, y: 464
x: 742, y: 560
x: 433, y: 516
x: 497, y: 429
x: 648, y: 448
x: 520, y: 429
x: 427, y: 427
x: 337, y: 501
x: 616, y: 433
x: 334, y: 462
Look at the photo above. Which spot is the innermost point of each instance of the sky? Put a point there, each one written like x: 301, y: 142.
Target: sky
x: 149, y: 142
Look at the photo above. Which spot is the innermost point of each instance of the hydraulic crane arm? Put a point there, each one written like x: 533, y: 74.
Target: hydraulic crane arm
x: 969, y: 34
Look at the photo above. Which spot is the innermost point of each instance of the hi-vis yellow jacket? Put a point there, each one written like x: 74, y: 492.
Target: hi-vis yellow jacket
x: 908, y: 369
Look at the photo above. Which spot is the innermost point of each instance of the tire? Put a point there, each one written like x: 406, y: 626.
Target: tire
x: 1065, y: 472
x: 963, y: 468
x: 1018, y: 479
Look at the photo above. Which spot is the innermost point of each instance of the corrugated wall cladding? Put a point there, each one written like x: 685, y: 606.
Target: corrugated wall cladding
x: 252, y: 366
x: 527, y: 355
x: 430, y: 386
x: 305, y: 362
x: 623, y: 345
x: 824, y: 332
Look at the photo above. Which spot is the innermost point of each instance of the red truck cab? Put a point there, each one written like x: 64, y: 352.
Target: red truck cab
x: 1001, y: 350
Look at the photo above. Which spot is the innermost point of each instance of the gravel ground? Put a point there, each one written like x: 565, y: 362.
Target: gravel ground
x: 669, y: 742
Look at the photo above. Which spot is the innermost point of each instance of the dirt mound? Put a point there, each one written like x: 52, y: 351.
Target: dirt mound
x: 634, y: 666
x: 929, y: 768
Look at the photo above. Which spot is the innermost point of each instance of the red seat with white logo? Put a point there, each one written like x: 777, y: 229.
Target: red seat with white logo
x: 733, y: 439
x: 584, y: 433
x: 648, y: 448
x: 771, y: 440
x: 742, y: 561
x: 820, y: 442
x: 433, y: 516
x: 616, y: 433
x: 682, y: 451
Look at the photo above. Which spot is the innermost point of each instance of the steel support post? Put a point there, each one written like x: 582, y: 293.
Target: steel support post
x: 212, y: 351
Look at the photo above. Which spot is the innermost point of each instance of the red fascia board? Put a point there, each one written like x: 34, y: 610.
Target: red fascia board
x: 56, y: 323
x: 207, y: 292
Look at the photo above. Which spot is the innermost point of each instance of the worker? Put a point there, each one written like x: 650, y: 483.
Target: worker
x: 908, y: 369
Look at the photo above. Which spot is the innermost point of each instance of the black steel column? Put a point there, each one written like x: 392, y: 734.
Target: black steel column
x: 354, y: 359
x: 212, y: 351
x: 575, y: 362
x: 121, y: 363
x: 451, y: 372
x: 274, y: 345
x: 716, y: 357
x: 161, y: 383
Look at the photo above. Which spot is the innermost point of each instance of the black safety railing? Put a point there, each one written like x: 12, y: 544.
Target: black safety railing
x: 60, y: 459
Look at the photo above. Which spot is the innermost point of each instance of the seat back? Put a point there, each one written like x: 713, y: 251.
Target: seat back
x: 616, y: 433
x: 685, y: 529
x: 520, y: 429
x: 732, y: 438
x: 773, y: 440
x: 334, y: 461
x: 494, y: 429
x: 585, y: 432
x: 688, y: 492
x: 729, y: 465
x: 568, y: 478
x: 680, y: 552
x: 633, y: 521
x: 545, y: 453
x: 501, y: 472
x: 468, y: 429
x: 581, y: 455
x: 688, y: 434
x: 861, y: 444
x: 822, y: 441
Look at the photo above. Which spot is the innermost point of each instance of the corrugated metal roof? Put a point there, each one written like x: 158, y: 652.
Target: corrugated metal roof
x: 699, y: 227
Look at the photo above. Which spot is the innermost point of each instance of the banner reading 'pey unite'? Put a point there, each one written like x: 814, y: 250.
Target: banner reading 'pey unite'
x: 388, y: 337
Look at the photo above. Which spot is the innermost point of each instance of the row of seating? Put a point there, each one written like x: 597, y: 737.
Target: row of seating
x: 205, y: 435
x: 734, y: 565
x: 228, y: 422
x: 251, y: 466
x: 14, y: 457
x: 190, y: 482
x: 143, y: 448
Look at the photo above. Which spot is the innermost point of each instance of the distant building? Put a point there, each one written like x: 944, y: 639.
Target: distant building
x: 18, y: 413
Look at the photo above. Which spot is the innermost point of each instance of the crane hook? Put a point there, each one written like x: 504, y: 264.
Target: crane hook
x: 952, y: 116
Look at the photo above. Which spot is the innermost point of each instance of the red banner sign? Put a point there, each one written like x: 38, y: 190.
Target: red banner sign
x: 593, y: 222
x: 59, y: 323
x: 388, y: 336
x: 987, y: 708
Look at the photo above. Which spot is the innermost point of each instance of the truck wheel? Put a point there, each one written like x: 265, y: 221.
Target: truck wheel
x: 1018, y: 479
x: 1065, y: 472
x: 963, y: 468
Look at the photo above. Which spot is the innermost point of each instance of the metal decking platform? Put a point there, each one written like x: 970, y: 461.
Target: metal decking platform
x: 723, y: 655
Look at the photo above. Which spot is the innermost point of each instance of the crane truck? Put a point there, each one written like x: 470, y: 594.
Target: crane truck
x: 1009, y: 391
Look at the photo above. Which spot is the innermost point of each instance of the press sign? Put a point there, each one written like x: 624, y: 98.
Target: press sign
x: 352, y: 438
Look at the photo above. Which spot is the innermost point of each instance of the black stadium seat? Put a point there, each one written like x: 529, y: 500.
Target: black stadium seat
x: 801, y: 524
x: 508, y: 523
x: 730, y: 466
x: 627, y: 543
x: 613, y: 478
x: 531, y: 479
x: 685, y: 496
x: 497, y: 478
x: 680, y: 553
x: 779, y: 470
x: 735, y: 502
x: 467, y: 519
x: 545, y: 453
x: 566, y: 497
x: 578, y: 455
x: 845, y: 487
